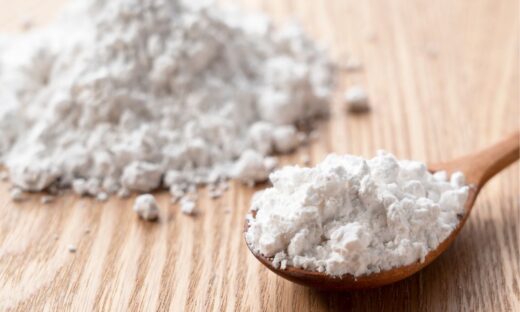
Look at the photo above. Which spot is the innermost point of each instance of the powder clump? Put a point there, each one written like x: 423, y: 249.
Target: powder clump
x: 357, y: 100
x: 349, y: 215
x: 146, y: 207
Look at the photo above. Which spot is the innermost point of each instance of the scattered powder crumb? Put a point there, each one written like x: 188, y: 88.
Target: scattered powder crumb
x: 56, y: 237
x: 224, y: 186
x: 218, y: 189
x: 188, y: 206
x: 17, y: 194
x: 350, y: 215
x: 102, y: 197
x: 4, y: 175
x: 357, y: 99
x: 87, y: 231
x: 146, y: 207
x: 72, y: 248
x: 215, y: 194
x: 47, y: 199
x: 123, y: 193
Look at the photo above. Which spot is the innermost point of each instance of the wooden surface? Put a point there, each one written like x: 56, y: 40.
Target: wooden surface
x: 443, y: 78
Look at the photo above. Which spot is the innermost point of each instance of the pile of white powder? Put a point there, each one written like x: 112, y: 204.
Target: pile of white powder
x: 135, y: 95
x: 354, y: 216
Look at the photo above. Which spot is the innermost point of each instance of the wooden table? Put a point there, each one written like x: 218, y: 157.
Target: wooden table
x: 443, y: 79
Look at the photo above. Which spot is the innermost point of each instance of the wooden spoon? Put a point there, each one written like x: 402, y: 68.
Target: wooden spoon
x: 478, y: 168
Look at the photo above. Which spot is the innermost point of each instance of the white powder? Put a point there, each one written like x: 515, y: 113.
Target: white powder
x: 215, y: 194
x: 123, y: 193
x: 146, y: 207
x: 72, y: 248
x: 188, y: 206
x: 357, y: 99
x: 47, y: 199
x: 252, y: 166
x: 356, y: 216
x: 134, y: 95
x: 102, y: 196
x: 16, y: 194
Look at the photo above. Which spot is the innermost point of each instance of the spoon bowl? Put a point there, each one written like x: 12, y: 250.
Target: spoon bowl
x: 478, y: 168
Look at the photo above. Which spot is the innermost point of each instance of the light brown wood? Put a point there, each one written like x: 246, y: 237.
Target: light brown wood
x: 481, y: 166
x: 443, y: 81
x: 477, y: 167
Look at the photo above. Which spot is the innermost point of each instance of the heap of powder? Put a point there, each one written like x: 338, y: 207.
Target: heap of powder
x: 354, y: 216
x: 134, y: 95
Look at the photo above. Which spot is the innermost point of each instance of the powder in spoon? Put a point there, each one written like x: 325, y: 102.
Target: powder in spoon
x: 354, y: 216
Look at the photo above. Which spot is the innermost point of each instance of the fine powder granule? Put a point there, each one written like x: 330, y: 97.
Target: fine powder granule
x: 143, y: 94
x: 354, y: 216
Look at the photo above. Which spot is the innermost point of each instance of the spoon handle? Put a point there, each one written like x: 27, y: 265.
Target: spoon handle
x: 482, y: 165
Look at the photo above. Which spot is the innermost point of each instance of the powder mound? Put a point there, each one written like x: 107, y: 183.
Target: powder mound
x: 117, y: 95
x: 354, y: 216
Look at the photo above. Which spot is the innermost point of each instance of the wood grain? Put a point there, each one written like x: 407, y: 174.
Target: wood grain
x: 443, y: 79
